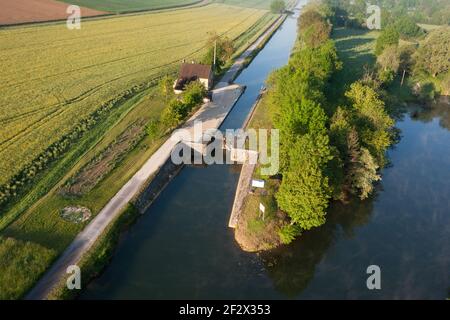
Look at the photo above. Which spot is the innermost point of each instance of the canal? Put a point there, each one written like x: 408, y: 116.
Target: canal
x: 181, y: 248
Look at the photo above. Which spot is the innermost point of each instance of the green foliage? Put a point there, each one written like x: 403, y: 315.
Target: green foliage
x: 371, y: 120
x: 193, y: 94
x: 224, y: 50
x: 166, y: 86
x: 277, y: 6
x: 389, y: 59
x: 361, y: 167
x: 427, y: 91
x: 129, y: 5
x: 304, y: 191
x: 154, y: 128
x: 21, y: 264
x: 407, y: 28
x: 314, y: 29
x: 388, y: 37
x: 178, y: 110
x: 288, y: 233
x: 296, y: 100
x: 364, y: 174
x: 446, y: 84
x: 432, y: 57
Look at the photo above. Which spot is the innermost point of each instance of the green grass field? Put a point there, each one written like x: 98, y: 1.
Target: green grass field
x: 122, y: 6
x: 53, y: 77
x: 356, y: 51
x: 130, y: 5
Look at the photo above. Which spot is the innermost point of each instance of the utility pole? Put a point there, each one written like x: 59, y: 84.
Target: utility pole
x: 215, y: 54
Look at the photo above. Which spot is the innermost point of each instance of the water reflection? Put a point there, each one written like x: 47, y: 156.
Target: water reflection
x: 292, y: 267
x: 440, y: 109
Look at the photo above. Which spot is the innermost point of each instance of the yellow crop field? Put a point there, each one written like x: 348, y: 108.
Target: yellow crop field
x: 52, y: 77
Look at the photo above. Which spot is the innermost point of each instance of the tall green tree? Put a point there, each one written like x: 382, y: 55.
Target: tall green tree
x: 372, y: 121
x: 433, y: 54
x: 388, y: 37
x: 304, y: 192
x: 223, y: 48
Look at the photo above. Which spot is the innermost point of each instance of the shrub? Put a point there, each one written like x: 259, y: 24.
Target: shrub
x: 288, y: 233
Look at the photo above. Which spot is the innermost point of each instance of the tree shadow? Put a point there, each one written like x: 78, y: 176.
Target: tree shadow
x: 292, y: 267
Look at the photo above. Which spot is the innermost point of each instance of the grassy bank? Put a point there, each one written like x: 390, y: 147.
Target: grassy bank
x: 94, y: 262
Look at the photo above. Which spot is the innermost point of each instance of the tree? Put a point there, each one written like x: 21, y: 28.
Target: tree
x: 389, y: 59
x: 433, y: 54
x: 365, y: 174
x: 389, y: 63
x: 407, y: 27
x: 314, y: 29
x: 193, y: 94
x: 388, y: 37
x: 361, y: 169
x: 278, y: 6
x: 373, y: 123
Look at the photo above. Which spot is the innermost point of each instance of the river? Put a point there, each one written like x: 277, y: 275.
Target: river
x: 181, y: 248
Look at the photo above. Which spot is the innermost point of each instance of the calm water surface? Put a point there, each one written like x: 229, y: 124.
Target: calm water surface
x: 182, y: 248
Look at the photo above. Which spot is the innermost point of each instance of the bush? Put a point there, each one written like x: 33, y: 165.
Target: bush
x: 389, y: 37
x: 224, y: 50
x: 407, y: 28
x: 178, y: 110
x: 289, y: 233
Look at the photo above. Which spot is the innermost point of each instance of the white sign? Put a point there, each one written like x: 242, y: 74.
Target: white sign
x: 258, y: 184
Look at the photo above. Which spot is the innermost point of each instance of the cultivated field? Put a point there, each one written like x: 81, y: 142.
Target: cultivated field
x: 52, y: 77
x: 22, y: 11
x: 262, y: 4
x: 130, y: 5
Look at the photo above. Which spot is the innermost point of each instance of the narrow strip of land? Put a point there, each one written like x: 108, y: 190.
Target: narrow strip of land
x: 211, y: 114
